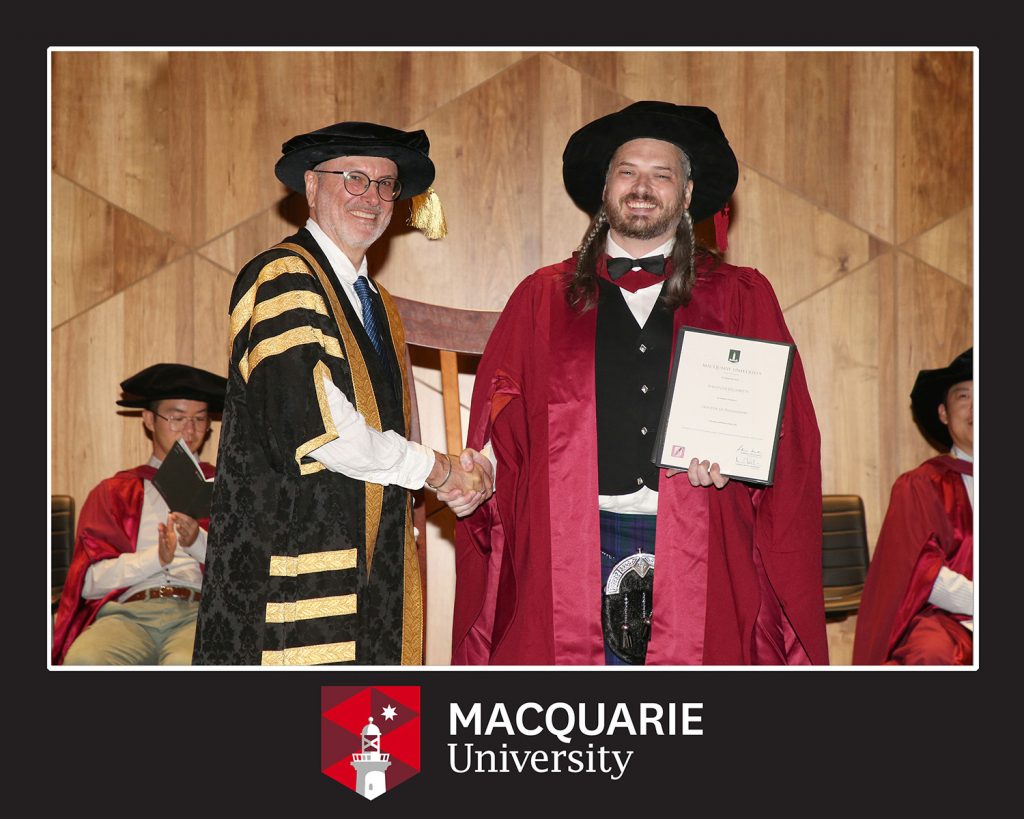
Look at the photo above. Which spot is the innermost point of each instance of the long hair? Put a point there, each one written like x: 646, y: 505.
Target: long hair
x: 581, y: 292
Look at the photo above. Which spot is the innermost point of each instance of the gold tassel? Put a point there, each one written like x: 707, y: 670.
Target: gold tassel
x: 428, y: 216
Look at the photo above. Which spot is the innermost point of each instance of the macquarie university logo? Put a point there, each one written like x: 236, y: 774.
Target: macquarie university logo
x: 734, y: 356
x: 370, y: 736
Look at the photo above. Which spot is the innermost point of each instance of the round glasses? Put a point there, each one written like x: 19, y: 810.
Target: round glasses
x: 179, y: 422
x: 357, y: 183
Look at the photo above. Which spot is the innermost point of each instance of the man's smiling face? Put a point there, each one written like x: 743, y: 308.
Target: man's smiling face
x: 646, y: 191
x: 352, y: 222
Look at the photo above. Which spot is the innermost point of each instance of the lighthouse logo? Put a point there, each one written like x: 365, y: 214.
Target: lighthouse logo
x: 370, y: 736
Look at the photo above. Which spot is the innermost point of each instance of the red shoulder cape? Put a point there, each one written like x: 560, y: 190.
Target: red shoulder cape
x: 738, y: 570
x: 108, y: 525
x: 928, y: 525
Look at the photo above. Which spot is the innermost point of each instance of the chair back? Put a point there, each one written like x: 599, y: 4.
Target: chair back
x: 844, y: 552
x: 450, y: 331
x: 62, y: 541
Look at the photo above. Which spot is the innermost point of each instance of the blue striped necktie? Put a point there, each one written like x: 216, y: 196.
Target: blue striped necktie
x: 370, y: 317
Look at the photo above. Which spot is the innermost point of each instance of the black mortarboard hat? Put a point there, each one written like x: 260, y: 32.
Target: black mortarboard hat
x: 173, y: 381
x: 693, y: 128
x: 930, y: 390
x: 407, y: 149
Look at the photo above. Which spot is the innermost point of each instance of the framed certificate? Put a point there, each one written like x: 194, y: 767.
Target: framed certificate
x: 724, y: 404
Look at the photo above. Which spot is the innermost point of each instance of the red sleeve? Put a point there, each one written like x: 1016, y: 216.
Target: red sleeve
x: 787, y: 528
x: 903, y: 569
x: 107, y: 527
x: 500, y: 381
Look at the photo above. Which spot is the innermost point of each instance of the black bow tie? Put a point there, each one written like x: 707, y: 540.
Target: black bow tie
x: 618, y: 266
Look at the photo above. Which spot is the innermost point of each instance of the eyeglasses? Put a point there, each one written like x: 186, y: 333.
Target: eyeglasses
x: 178, y: 422
x: 357, y: 183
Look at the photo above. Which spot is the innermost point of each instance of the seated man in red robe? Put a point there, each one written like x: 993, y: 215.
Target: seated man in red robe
x: 557, y: 567
x: 918, y: 602
x: 133, y: 588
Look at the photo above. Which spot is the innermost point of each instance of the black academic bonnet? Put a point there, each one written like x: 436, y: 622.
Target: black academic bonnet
x: 173, y: 381
x: 693, y: 128
x: 407, y: 149
x: 930, y: 390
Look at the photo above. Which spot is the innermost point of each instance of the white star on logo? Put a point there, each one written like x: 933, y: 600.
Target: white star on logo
x: 389, y: 712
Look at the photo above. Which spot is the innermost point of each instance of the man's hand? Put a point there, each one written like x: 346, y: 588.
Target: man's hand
x: 702, y: 473
x: 168, y: 540
x: 186, y: 528
x: 470, y: 484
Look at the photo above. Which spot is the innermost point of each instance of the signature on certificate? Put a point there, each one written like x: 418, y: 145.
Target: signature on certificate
x: 748, y: 456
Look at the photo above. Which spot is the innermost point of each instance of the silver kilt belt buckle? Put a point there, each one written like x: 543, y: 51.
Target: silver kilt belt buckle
x: 626, y: 607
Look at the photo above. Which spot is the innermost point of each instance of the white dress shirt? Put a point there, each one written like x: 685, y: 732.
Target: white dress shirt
x: 360, y: 451
x: 141, y: 569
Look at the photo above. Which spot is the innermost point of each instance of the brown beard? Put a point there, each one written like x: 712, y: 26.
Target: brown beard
x: 581, y: 289
x: 641, y: 227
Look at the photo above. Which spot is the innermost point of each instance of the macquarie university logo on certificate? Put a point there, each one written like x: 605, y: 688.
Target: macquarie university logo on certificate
x: 370, y: 736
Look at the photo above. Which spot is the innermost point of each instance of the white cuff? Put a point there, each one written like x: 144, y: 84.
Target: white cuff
x: 365, y: 454
x: 953, y: 592
x: 197, y: 551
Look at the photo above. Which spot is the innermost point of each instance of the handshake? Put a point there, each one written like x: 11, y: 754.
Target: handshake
x: 463, y: 482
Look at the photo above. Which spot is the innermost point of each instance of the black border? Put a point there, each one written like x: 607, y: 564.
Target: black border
x: 774, y: 740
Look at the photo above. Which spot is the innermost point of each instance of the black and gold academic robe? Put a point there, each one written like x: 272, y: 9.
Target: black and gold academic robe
x: 306, y: 566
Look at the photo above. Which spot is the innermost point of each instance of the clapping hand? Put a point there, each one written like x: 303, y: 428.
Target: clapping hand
x: 167, y: 541
x: 180, y: 530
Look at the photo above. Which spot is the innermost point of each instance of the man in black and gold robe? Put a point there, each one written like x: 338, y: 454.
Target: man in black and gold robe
x: 311, y: 557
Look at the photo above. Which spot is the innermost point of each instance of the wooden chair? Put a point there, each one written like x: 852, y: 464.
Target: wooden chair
x: 844, y: 555
x: 450, y: 331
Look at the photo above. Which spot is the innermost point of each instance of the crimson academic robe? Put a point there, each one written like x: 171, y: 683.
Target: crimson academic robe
x: 928, y: 526
x: 738, y: 576
x: 108, y: 526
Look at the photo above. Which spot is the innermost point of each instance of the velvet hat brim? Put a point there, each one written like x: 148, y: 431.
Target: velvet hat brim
x: 407, y: 149
x: 695, y: 129
x: 930, y: 391
x: 163, y: 381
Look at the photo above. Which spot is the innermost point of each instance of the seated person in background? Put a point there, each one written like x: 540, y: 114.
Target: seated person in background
x: 132, y: 592
x: 918, y: 600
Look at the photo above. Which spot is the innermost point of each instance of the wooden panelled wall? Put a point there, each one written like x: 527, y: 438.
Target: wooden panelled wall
x: 855, y: 199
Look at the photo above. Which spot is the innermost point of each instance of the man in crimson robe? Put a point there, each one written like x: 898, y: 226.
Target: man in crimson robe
x: 556, y: 568
x: 132, y: 592
x: 918, y: 602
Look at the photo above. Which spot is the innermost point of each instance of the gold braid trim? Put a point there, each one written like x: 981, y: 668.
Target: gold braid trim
x: 243, y: 310
x: 398, y: 339
x: 366, y: 400
x: 412, y: 598
x: 295, y: 300
x: 312, y: 562
x: 320, y: 372
x: 311, y: 609
x: 285, y: 341
x: 311, y: 467
x: 312, y: 655
x: 374, y: 509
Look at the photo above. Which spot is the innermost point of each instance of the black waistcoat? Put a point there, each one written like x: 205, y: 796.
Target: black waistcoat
x: 631, y: 374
